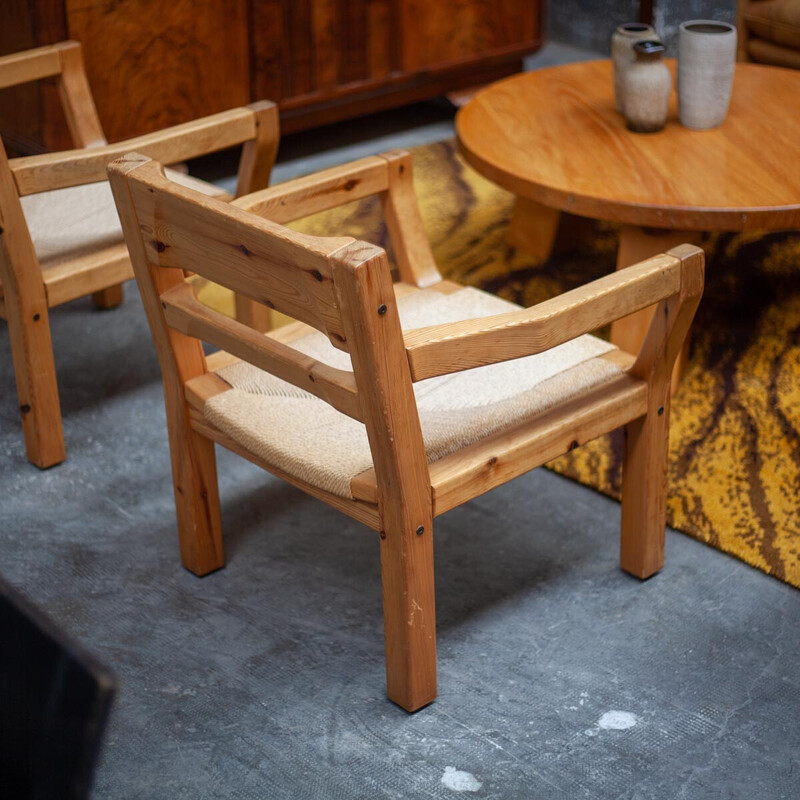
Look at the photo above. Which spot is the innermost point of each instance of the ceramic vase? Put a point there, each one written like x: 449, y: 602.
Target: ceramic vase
x: 706, y: 63
x: 622, y: 42
x: 647, y: 87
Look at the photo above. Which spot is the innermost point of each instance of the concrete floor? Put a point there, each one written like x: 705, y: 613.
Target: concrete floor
x: 559, y: 676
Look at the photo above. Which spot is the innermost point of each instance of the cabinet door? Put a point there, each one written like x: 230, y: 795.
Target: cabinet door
x: 436, y: 32
x: 311, y: 47
x: 153, y: 63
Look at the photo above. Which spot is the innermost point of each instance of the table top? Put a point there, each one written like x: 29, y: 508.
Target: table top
x: 553, y: 136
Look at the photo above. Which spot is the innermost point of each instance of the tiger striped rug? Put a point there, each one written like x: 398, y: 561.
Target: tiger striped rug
x: 735, y: 437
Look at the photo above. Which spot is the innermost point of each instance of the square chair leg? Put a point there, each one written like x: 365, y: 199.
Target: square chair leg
x: 409, y: 616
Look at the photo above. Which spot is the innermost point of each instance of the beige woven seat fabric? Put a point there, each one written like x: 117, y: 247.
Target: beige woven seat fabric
x: 306, y: 438
x: 68, y: 223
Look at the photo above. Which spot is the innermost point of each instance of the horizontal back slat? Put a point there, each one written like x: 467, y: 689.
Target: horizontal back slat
x: 51, y: 171
x: 284, y: 270
x: 31, y: 65
x: 319, y: 192
x: 186, y: 314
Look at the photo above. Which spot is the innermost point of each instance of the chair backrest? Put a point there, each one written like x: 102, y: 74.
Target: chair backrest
x: 64, y: 61
x: 255, y: 126
x: 337, y: 285
x: 388, y: 175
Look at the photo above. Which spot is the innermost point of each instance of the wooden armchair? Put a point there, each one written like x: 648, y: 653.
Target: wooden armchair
x: 59, y: 232
x: 350, y: 406
x: 769, y: 32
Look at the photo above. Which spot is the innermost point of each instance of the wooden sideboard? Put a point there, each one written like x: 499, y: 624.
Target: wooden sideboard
x: 152, y: 64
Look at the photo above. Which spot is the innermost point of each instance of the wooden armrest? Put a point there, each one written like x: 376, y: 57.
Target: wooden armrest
x: 29, y: 65
x: 311, y: 194
x: 456, y: 346
x: 388, y: 175
x: 50, y: 171
x: 185, y: 313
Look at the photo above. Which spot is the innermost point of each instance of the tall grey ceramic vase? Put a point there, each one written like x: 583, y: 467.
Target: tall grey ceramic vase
x: 706, y: 63
x: 622, y: 42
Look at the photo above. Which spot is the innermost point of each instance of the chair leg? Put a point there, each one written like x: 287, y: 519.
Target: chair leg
x: 108, y: 298
x: 194, y: 471
x: 644, y: 491
x: 409, y: 616
x: 35, y: 372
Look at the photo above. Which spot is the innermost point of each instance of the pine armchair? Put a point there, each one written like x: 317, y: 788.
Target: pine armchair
x: 59, y: 232
x: 391, y: 403
x: 769, y: 32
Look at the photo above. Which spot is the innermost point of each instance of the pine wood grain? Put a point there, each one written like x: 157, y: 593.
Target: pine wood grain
x: 25, y: 307
x: 181, y: 358
x: 31, y: 65
x: 400, y: 496
x: 452, y: 347
x: 321, y: 191
x: 644, y: 470
x: 100, y: 273
x: 365, y: 292
x: 51, y: 171
x: 185, y: 313
x: 226, y: 245
x: 412, y: 249
x: 500, y: 458
x: 554, y: 137
x: 635, y: 245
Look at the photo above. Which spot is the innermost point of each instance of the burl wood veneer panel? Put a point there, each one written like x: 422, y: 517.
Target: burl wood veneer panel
x: 154, y: 63
x: 331, y: 59
x: 446, y: 31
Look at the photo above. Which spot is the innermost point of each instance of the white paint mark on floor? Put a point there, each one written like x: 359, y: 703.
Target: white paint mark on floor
x: 460, y: 781
x: 617, y: 721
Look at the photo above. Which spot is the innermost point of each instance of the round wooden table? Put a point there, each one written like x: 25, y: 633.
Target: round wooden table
x: 553, y: 138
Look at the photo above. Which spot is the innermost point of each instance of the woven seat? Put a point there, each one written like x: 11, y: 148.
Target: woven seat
x: 303, y: 436
x: 69, y: 223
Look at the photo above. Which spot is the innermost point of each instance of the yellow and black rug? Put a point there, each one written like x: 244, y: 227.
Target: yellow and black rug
x: 735, y: 439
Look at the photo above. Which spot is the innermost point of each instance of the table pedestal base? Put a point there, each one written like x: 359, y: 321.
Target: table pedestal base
x: 638, y: 244
x: 541, y: 232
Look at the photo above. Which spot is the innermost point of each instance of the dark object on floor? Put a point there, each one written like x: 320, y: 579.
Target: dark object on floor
x: 54, y: 702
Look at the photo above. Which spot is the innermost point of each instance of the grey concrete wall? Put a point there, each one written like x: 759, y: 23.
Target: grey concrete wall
x: 668, y: 15
x: 590, y: 23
